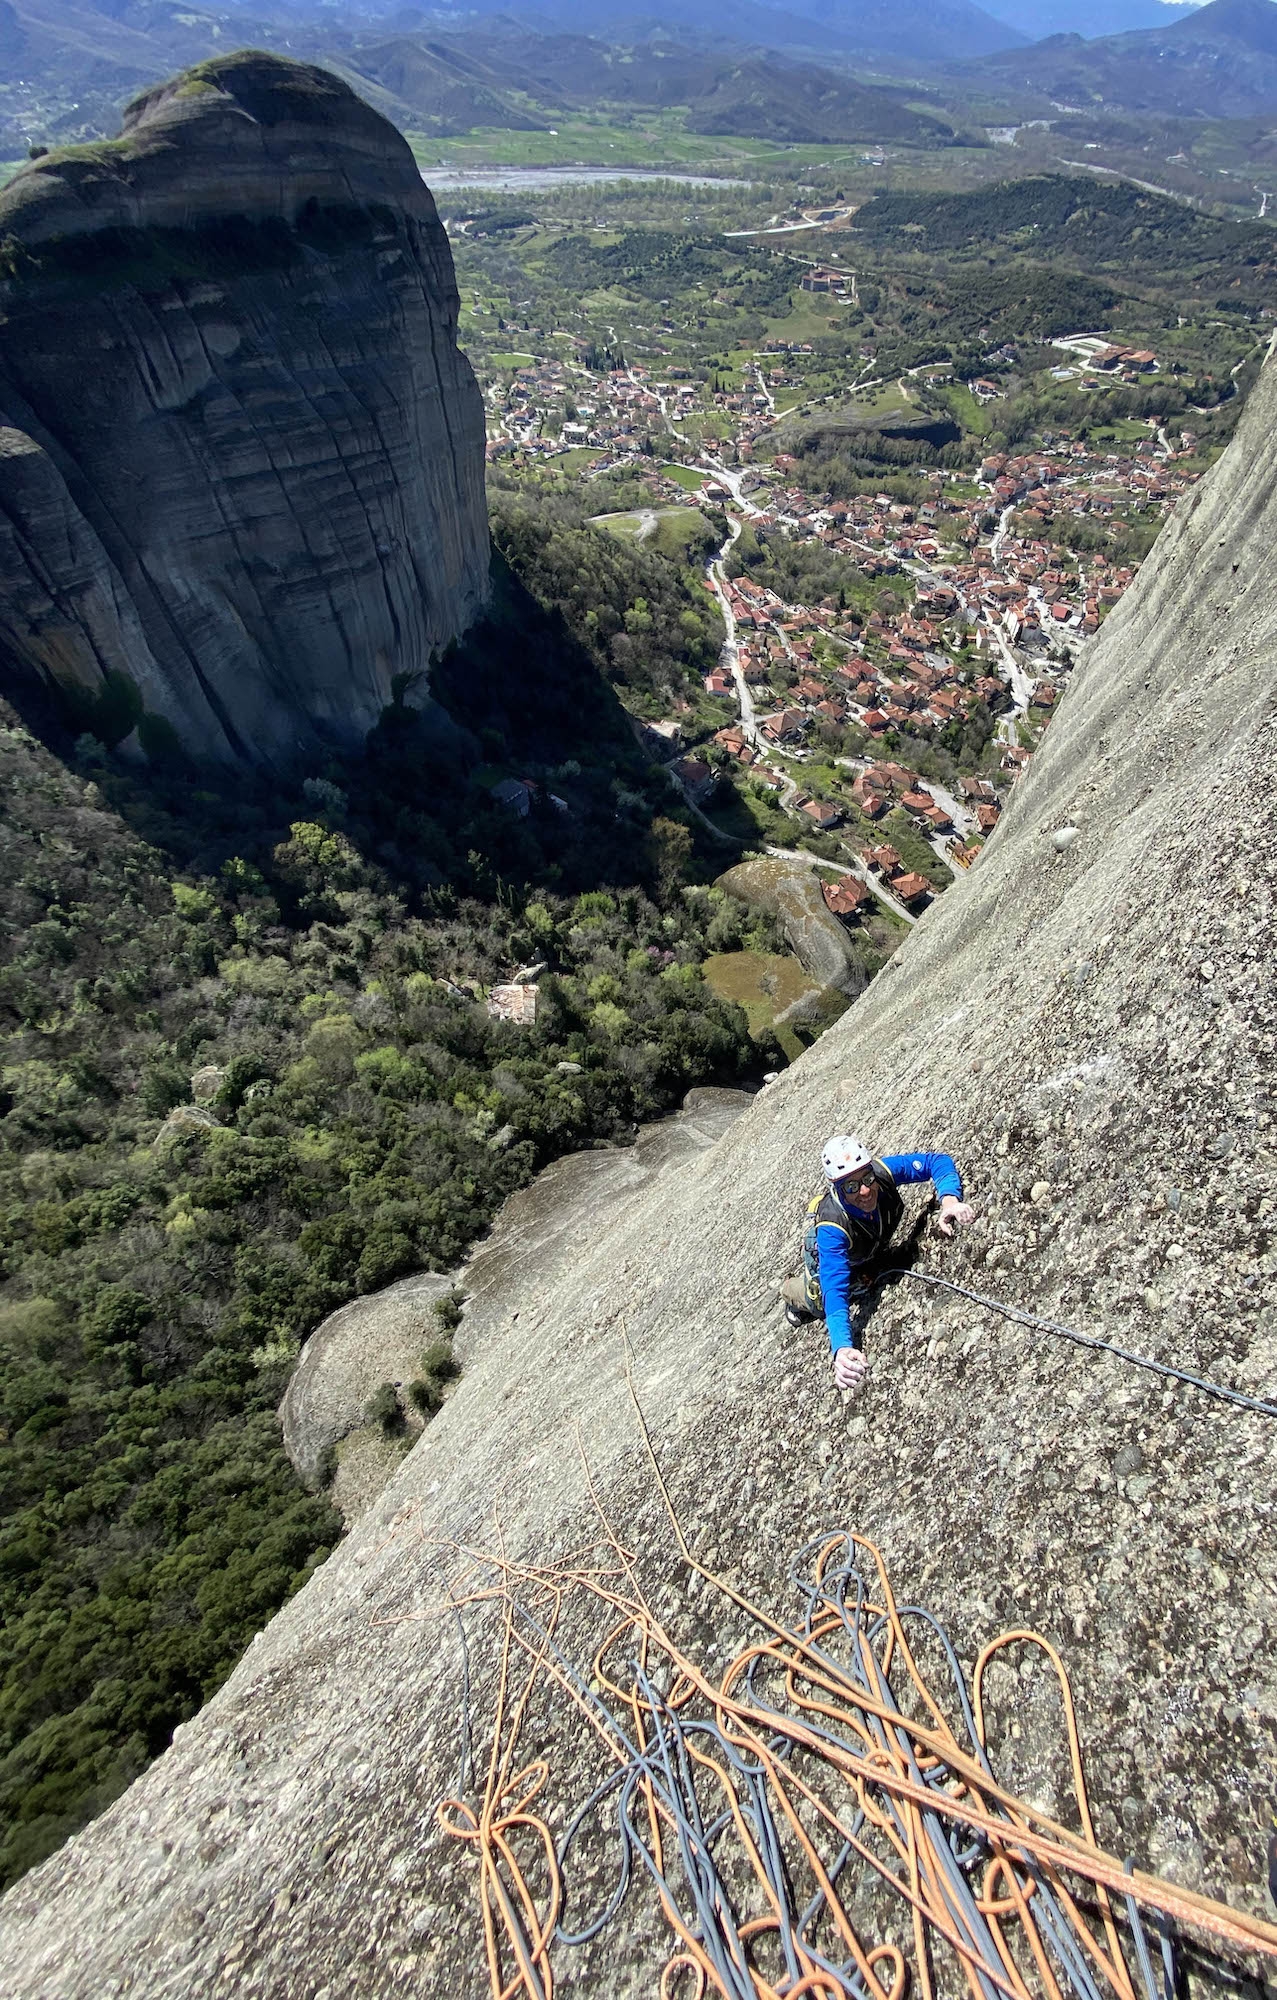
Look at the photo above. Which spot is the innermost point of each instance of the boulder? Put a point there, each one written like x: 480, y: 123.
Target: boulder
x: 791, y: 893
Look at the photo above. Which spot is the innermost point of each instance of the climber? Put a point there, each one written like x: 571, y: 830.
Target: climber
x: 848, y: 1228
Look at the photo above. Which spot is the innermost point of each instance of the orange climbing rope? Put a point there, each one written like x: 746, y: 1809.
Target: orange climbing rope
x: 760, y: 1803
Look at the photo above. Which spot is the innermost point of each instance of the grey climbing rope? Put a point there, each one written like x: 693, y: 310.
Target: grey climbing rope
x: 1163, y: 1368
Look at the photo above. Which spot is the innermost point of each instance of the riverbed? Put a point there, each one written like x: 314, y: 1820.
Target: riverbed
x: 509, y: 180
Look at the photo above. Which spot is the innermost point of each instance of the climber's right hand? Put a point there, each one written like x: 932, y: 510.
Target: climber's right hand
x: 849, y: 1367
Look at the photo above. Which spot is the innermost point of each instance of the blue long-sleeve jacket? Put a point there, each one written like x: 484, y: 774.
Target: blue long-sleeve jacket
x: 836, y: 1267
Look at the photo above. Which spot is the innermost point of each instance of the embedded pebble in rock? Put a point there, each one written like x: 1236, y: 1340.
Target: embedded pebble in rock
x: 1010, y: 1479
x: 1063, y: 838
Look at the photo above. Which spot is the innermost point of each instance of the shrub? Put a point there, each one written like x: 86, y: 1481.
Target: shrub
x: 383, y: 1409
x: 438, y: 1360
x: 449, y: 1311
x: 162, y: 1087
x: 426, y: 1395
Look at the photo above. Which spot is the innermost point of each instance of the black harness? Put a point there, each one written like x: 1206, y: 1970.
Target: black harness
x: 865, y: 1233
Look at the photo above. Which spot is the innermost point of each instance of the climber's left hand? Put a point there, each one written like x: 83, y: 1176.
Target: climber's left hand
x: 952, y: 1210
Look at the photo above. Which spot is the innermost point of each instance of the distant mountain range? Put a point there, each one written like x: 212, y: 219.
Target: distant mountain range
x: 535, y: 60
x: 448, y: 85
x: 1219, y: 61
x: 1036, y: 19
x: 914, y: 31
x: 82, y: 63
x: 514, y: 68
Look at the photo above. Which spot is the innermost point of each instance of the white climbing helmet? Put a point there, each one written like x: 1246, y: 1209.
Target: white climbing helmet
x: 844, y: 1155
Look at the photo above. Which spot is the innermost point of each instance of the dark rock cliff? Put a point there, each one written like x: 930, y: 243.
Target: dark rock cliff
x: 241, y: 457
x: 1091, y: 1030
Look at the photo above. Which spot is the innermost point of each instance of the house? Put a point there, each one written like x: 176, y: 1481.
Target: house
x: 696, y: 778
x: 883, y: 860
x: 920, y: 803
x: 822, y: 279
x: 963, y: 853
x: 846, y: 898
x: 987, y: 817
x: 871, y: 798
x: 785, y: 726
x: 719, y: 684
x: 668, y: 733
x: 517, y: 1004
x: 515, y: 794
x: 909, y: 889
x: 820, y: 813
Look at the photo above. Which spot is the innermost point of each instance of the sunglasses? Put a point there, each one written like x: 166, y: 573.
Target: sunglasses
x: 861, y: 1182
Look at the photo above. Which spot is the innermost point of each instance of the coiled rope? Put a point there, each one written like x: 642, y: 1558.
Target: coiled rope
x: 760, y: 1803
x: 1163, y: 1368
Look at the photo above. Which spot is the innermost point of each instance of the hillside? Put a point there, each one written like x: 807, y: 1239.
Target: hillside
x: 1038, y: 18
x: 1105, y: 227
x: 1089, y: 1028
x: 70, y: 68
x: 1218, y: 62
x: 520, y: 81
x: 953, y: 28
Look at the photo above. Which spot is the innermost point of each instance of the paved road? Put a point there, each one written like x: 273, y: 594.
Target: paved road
x: 733, y: 481
x: 1001, y: 531
x: 729, y: 658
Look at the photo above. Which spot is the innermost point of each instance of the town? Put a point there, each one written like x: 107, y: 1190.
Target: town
x: 968, y: 605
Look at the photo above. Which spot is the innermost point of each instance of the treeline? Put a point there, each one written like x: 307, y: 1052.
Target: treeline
x: 655, y: 264
x: 843, y: 466
x: 803, y: 571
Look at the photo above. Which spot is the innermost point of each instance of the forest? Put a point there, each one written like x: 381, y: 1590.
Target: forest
x: 1097, y: 226
x: 248, y: 1073
x: 656, y: 264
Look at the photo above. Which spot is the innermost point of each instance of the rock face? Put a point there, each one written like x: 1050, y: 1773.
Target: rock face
x: 790, y: 892
x: 1091, y: 1032
x: 241, y: 458
x: 380, y: 1338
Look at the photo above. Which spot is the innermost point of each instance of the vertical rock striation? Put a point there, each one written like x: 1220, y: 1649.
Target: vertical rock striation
x: 241, y: 457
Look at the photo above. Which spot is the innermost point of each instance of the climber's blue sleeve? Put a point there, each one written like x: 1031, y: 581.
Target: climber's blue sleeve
x: 833, y: 1258
x: 906, y: 1168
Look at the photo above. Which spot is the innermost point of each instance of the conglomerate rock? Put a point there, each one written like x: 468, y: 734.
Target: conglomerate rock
x: 241, y: 457
x: 1092, y: 1033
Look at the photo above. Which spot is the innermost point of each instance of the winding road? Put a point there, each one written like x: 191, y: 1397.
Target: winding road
x: 729, y: 658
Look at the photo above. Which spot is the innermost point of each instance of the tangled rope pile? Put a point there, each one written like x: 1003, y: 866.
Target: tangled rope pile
x: 761, y: 1804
